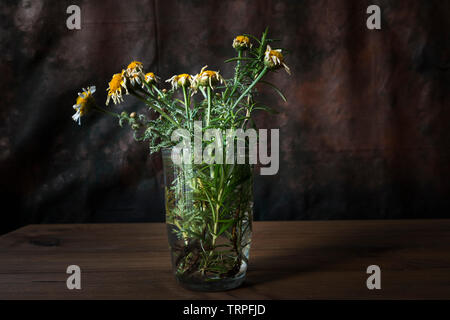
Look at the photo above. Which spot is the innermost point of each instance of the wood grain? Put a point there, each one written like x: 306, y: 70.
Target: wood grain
x: 289, y: 260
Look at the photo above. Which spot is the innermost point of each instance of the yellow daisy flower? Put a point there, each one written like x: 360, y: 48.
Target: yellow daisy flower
x: 136, y: 79
x: 135, y: 74
x: 134, y: 67
x: 274, y: 59
x: 181, y: 80
x: 85, y: 101
x: 151, y: 78
x: 241, y: 43
x: 117, y: 83
x: 207, y: 78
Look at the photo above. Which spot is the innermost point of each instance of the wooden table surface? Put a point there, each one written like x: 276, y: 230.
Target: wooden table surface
x: 289, y: 260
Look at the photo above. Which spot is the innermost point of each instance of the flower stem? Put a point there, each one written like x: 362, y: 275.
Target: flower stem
x: 238, y: 66
x: 236, y: 73
x: 100, y: 109
x: 186, y: 105
x: 216, y: 225
x: 263, y: 72
x: 150, y: 93
x: 159, y: 110
x: 157, y: 90
x: 208, y: 114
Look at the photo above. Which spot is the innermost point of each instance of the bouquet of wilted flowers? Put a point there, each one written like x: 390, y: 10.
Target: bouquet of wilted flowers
x: 208, y: 205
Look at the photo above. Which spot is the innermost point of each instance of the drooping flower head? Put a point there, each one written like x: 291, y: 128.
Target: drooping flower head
x: 151, y: 78
x: 85, y: 102
x: 136, y: 79
x: 117, y: 83
x: 274, y: 59
x: 181, y: 80
x: 134, y: 67
x: 207, y: 78
x: 134, y: 73
x: 241, y: 43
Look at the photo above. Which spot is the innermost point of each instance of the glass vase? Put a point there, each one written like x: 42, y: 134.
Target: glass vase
x: 209, y: 210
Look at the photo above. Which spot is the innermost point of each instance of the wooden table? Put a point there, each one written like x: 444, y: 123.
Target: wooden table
x: 289, y: 260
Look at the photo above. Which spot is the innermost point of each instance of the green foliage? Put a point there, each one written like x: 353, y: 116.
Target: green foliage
x: 208, y: 206
x: 226, y: 106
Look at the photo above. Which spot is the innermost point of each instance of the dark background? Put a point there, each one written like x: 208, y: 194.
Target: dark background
x: 364, y: 134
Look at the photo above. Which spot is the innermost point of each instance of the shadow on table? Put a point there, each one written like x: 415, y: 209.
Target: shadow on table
x: 346, y: 252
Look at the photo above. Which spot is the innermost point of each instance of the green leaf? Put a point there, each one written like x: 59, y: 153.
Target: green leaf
x: 225, y: 220
x: 225, y: 226
x: 199, y: 236
x: 239, y: 59
x: 265, y: 108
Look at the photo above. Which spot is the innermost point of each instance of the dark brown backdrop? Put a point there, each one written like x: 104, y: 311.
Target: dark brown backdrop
x: 363, y: 135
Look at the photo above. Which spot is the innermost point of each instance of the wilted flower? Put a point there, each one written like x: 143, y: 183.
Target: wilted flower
x: 134, y: 67
x: 136, y: 79
x: 207, y: 78
x: 151, y: 78
x: 181, y: 80
x: 274, y: 59
x: 134, y: 72
x: 85, y: 101
x: 241, y: 43
x: 117, y: 83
